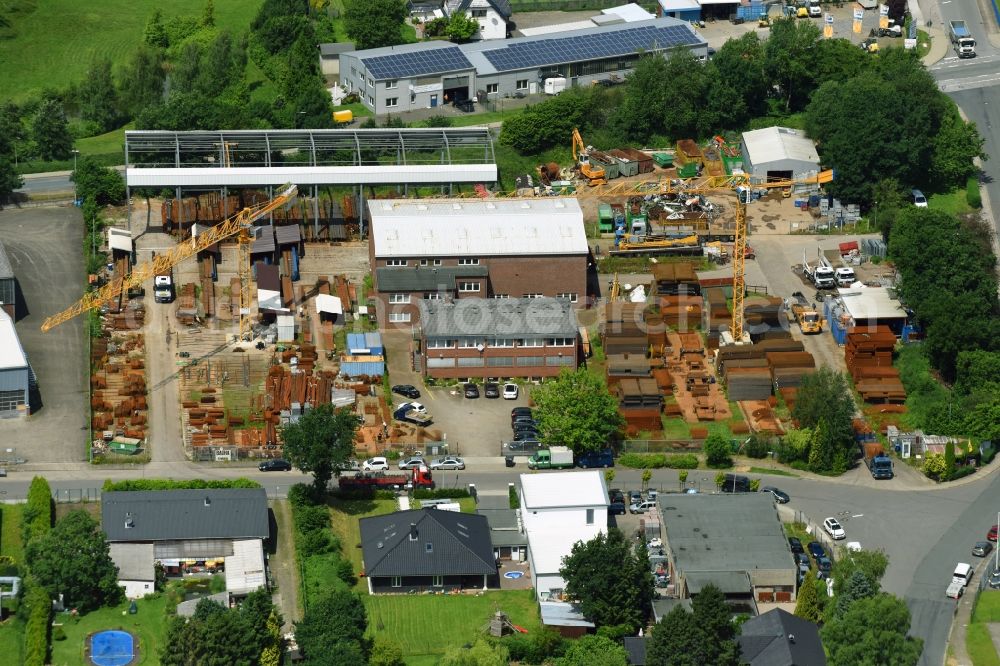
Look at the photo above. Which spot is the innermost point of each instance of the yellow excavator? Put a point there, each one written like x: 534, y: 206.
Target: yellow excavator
x: 594, y: 175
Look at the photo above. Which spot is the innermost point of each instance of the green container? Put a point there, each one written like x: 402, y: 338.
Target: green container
x: 664, y: 160
x: 605, y: 218
x: 689, y: 170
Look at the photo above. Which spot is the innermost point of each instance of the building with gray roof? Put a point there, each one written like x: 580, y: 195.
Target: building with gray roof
x: 430, y: 74
x: 509, y: 540
x: 427, y: 550
x: 733, y: 541
x: 778, y: 638
x: 187, y: 530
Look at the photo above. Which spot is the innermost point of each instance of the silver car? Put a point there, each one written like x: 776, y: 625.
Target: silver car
x: 411, y: 462
x: 448, y: 462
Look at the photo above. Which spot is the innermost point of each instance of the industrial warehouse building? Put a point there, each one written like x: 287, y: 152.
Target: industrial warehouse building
x: 778, y: 153
x: 445, y: 250
x: 15, y: 373
x: 8, y: 288
x: 489, y: 337
x: 429, y: 74
x: 732, y: 541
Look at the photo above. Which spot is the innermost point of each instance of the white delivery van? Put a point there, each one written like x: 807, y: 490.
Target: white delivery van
x: 955, y: 589
x: 963, y: 573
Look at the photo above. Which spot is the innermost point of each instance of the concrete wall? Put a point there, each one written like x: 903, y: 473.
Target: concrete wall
x: 542, y: 520
x: 137, y: 589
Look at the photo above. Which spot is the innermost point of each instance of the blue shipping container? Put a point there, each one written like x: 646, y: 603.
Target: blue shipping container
x: 295, y: 264
x: 369, y: 368
x: 356, y: 343
x: 373, y: 341
x: 751, y: 12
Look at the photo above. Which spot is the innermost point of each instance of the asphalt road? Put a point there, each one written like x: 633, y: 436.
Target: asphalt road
x: 51, y: 183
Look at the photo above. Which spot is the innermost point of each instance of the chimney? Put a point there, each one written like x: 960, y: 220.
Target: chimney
x: 791, y: 638
x: 208, y: 501
x: 129, y: 522
x: 413, y: 531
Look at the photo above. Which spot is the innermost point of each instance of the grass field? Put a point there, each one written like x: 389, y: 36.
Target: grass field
x: 774, y: 471
x: 149, y: 625
x: 53, y: 45
x: 344, y: 518
x: 10, y: 532
x: 105, y: 144
x: 953, y: 202
x: 977, y: 638
x: 427, y: 625
x: 12, y: 641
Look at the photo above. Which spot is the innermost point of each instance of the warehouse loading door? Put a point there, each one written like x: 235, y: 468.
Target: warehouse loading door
x: 456, y: 89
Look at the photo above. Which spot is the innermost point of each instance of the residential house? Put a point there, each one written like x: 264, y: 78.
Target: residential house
x: 187, y: 531
x: 492, y: 15
x: 427, y: 550
x: 778, y: 638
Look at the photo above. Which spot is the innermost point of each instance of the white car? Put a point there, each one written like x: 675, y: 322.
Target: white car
x: 448, y: 462
x: 376, y: 464
x: 417, y: 407
x: 834, y: 529
x: 510, y: 391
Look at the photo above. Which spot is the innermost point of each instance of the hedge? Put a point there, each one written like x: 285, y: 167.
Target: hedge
x: 440, y: 493
x: 658, y: 460
x: 39, y: 511
x: 972, y: 195
x: 37, y: 608
x: 168, y: 484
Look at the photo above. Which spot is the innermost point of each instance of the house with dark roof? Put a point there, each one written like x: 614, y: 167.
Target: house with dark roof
x: 635, y: 650
x: 187, y: 531
x: 427, y: 550
x: 778, y: 638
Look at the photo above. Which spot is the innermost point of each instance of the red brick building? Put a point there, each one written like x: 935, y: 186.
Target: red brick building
x: 488, y: 337
x: 445, y: 250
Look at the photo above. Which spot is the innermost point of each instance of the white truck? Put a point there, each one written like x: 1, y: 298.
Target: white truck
x: 961, y: 38
x: 163, y: 289
x: 821, y: 275
x: 960, y: 578
x: 845, y: 276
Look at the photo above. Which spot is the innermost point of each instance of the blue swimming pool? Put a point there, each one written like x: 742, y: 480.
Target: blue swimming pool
x: 112, y: 648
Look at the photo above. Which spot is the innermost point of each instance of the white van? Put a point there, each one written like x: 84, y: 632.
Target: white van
x: 919, y: 200
x: 955, y: 590
x: 963, y: 573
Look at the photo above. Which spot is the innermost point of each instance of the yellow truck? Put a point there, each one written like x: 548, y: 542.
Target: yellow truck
x: 805, y: 315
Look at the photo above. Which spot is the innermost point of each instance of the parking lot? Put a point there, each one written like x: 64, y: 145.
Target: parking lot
x: 44, y: 246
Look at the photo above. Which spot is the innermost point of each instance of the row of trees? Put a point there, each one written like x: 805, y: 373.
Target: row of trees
x: 875, y: 119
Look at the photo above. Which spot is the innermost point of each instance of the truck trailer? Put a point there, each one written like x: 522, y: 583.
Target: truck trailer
x: 418, y: 477
x: 961, y: 38
x: 877, y: 461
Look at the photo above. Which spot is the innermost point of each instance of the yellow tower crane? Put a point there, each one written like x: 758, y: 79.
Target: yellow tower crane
x: 239, y: 225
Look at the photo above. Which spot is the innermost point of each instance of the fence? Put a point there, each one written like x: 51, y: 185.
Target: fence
x: 788, y: 515
x: 661, y: 445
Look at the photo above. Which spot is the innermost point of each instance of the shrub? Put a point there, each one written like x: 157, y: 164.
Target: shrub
x: 310, y: 517
x: 989, y: 453
x: 513, y: 497
x: 800, y: 465
x: 58, y: 634
x: 440, y: 493
x: 301, y: 494
x: 972, y: 195
x: 658, y: 461
x: 39, y: 511
x: 961, y: 472
x: 170, y: 484
x: 312, y: 543
x: 682, y: 461
x: 756, y: 448
x: 36, y: 628
x: 717, y: 451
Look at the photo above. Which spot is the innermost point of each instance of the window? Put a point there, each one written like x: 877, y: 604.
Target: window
x: 428, y: 548
x: 354, y: 72
x: 391, y: 85
x: 478, y: 13
x: 468, y: 286
x: 500, y: 361
x: 492, y: 88
x: 470, y: 362
x: 469, y: 343
x: 532, y: 295
x: 522, y: 84
x: 371, y: 100
x: 434, y: 296
x: 437, y: 343
x: 399, y: 317
x: 430, y: 262
x: 501, y: 342
x: 399, y: 298
x: 440, y: 362
x: 391, y: 101
x: 573, y: 298
x: 397, y: 581
x: 395, y: 262
x: 590, y: 516
x: 555, y: 361
x: 533, y: 342
x: 437, y: 581
x: 468, y: 262
x: 371, y: 83
x: 501, y: 295
x: 560, y: 342
x: 526, y: 361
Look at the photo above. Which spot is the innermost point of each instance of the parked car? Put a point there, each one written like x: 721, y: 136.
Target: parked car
x: 982, y: 548
x: 634, y: 497
x: 816, y: 549
x: 448, y: 462
x: 407, y: 390
x: 834, y: 528
x: 520, y: 411
x: 523, y: 423
x: 992, y: 534
x: 416, y: 407
x: 642, y: 507
x: 780, y: 496
x: 824, y: 565
x: 919, y: 200
x: 651, y: 495
x: 491, y: 390
x: 411, y: 462
x: 616, y: 495
x: 526, y: 434
x: 994, y: 580
x: 616, y: 508
x: 376, y: 464
x: 510, y: 391
x: 276, y: 465
x: 471, y: 390
x: 803, y: 561
x: 795, y: 544
x: 530, y: 444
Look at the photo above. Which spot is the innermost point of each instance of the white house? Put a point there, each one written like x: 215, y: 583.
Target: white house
x: 492, y: 15
x: 557, y: 510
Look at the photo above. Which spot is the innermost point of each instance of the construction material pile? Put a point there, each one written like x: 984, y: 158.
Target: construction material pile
x: 118, y: 389
x: 678, y: 295
x: 755, y: 372
x: 178, y: 215
x: 697, y: 394
x: 869, y: 360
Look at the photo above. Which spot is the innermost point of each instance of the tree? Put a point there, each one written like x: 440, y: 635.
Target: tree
x: 676, y: 641
x: 576, y: 410
x: 140, y: 83
x: 872, y: 563
x: 213, y: 635
x: 640, y: 114
x: 461, y: 27
x: 321, y: 442
x: 335, y: 623
x: 102, y: 184
x: 155, y: 34
x: 208, y: 15
x: 609, y: 596
x: 716, y: 449
x: 647, y: 474
x: 821, y: 449
x: 825, y: 397
x: 956, y: 145
x: 789, y: 59
x: 949, y: 461
x: 857, y: 587
x: 386, y: 652
x: 270, y: 655
x: 220, y: 65
x: 73, y: 560
x: 714, y: 620
x: 546, y: 124
x: 592, y: 650
x: 872, y: 632
x: 50, y: 131
x: 807, y: 603
x: 10, y: 180
x: 480, y: 653
x: 374, y: 23
x: 98, y: 96
x: 740, y: 64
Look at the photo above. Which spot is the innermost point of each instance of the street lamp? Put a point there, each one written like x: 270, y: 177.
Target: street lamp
x: 75, y: 192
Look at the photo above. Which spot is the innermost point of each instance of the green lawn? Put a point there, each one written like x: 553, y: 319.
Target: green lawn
x: 980, y: 646
x: 149, y: 624
x: 52, y: 44
x: 953, y: 202
x: 105, y: 144
x: 12, y: 641
x: 988, y: 607
x: 773, y: 470
x: 344, y: 517
x: 10, y: 532
x: 427, y: 625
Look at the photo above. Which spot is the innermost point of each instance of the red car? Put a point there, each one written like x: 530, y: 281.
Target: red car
x: 992, y: 534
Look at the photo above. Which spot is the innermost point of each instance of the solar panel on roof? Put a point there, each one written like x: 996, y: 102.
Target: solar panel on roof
x: 539, y: 53
x: 416, y: 63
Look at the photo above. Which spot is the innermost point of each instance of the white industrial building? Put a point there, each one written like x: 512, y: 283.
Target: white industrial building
x: 779, y: 153
x: 15, y: 372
